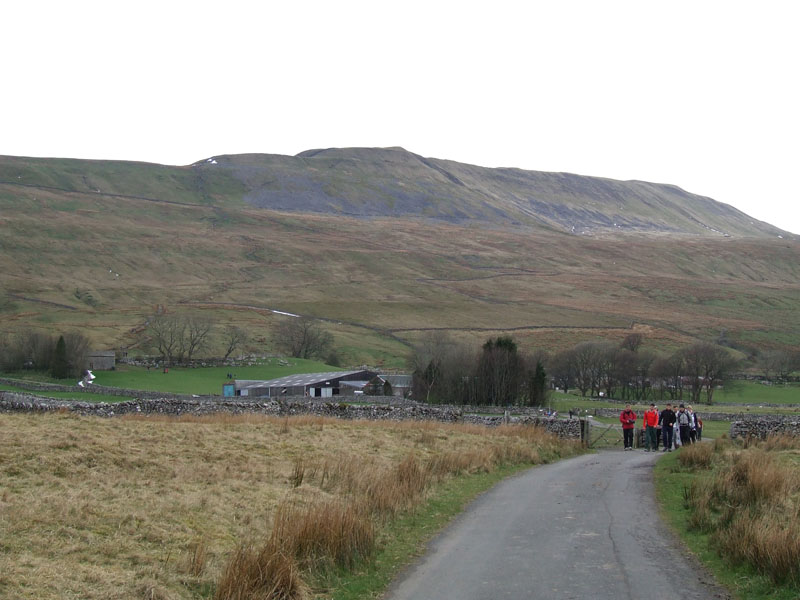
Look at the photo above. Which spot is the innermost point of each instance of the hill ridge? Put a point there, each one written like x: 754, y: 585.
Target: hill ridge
x: 383, y: 246
x: 372, y: 182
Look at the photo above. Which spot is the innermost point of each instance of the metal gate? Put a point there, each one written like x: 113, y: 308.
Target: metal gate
x: 601, y: 434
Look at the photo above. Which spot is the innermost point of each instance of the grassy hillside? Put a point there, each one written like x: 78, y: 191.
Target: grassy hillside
x: 184, y: 239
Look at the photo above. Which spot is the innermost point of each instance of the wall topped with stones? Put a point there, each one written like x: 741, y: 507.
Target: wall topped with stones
x: 706, y: 416
x: 765, y: 426
x: 15, y: 402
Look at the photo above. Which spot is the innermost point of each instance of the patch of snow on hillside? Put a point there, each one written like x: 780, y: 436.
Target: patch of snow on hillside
x: 212, y: 161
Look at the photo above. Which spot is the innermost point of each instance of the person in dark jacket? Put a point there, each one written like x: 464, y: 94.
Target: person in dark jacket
x: 628, y: 419
x: 667, y: 421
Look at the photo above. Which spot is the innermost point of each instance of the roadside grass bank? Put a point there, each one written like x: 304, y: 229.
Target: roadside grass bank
x: 202, y: 507
x: 736, y: 504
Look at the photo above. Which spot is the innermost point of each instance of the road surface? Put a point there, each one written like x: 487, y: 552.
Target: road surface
x: 584, y: 528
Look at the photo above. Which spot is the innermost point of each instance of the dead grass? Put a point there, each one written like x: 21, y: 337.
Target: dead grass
x: 159, y: 507
x: 751, y: 504
x: 696, y: 456
x: 329, y: 534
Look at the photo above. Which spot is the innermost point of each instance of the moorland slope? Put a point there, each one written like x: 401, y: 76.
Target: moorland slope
x: 384, y: 245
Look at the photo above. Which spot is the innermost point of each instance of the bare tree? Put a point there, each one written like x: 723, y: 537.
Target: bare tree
x: 562, y: 369
x: 718, y: 364
x: 587, y: 358
x: 707, y: 366
x: 643, y: 365
x: 668, y: 370
x: 195, y: 335
x: 303, y: 337
x: 779, y: 363
x: 632, y: 341
x: 166, y: 333
x: 235, y: 338
x: 789, y: 363
x: 31, y: 350
x: 77, y: 346
x: 427, y: 363
x: 613, y: 367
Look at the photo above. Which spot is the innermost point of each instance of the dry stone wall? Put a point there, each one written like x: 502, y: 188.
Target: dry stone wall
x: 761, y: 427
x: 15, y: 402
x: 706, y: 416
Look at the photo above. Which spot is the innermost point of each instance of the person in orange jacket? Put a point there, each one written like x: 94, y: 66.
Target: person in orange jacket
x: 650, y: 421
x: 628, y: 419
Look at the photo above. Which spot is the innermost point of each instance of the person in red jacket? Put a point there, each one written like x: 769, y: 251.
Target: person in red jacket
x: 628, y: 419
x: 650, y: 421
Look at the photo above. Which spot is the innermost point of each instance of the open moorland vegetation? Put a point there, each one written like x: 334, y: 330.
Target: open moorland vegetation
x: 223, y: 506
x: 100, y: 247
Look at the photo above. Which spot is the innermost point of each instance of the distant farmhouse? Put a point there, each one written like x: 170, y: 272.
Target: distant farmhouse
x: 321, y: 385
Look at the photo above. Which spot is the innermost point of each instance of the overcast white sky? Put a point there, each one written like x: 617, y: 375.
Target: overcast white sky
x: 701, y: 94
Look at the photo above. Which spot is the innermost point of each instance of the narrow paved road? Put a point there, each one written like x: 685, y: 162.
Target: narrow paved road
x: 583, y: 528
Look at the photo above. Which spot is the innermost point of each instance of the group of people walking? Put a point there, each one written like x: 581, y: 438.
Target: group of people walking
x: 676, y: 428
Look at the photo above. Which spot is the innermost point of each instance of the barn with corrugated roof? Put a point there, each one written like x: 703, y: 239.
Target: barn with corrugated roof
x: 315, y: 385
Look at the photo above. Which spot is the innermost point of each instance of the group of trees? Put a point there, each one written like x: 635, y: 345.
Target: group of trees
x: 627, y: 372
x: 179, y: 338
x: 500, y: 374
x: 174, y: 338
x: 778, y: 364
x: 61, y: 356
x: 303, y: 337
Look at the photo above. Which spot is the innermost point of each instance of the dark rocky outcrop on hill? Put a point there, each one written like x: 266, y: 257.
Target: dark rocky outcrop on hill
x: 392, y: 182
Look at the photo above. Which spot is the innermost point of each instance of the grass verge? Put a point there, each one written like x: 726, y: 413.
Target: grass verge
x: 404, y: 538
x: 697, y: 488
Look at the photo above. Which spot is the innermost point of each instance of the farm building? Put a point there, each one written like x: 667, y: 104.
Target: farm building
x: 389, y: 385
x: 316, y: 385
x: 100, y: 360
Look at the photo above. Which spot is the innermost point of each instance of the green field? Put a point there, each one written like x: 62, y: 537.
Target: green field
x: 752, y: 392
x: 205, y: 380
x: 182, y: 380
x: 76, y: 395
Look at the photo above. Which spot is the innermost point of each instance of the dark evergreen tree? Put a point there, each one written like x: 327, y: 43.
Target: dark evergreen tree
x: 537, y: 390
x: 60, y: 366
x: 500, y: 372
